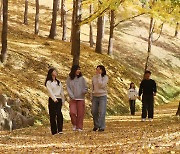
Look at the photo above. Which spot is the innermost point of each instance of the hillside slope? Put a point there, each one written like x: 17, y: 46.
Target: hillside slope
x: 30, y: 56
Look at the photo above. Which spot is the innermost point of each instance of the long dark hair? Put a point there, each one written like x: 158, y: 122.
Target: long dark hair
x: 49, y: 76
x: 103, y: 70
x: 131, y: 85
x: 72, y: 74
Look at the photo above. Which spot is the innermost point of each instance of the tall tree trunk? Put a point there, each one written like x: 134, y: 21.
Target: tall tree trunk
x: 58, y: 5
x: 178, y: 111
x: 37, y: 18
x: 111, y: 36
x: 72, y: 22
x: 62, y: 12
x: 99, y: 35
x: 64, y: 21
x: 54, y: 18
x: 26, y: 13
x: 4, y: 31
x: 176, y: 30
x: 91, y: 28
x: 75, y: 48
x: 1, y: 5
x: 149, y: 42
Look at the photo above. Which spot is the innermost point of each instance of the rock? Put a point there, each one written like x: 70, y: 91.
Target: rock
x: 12, y: 115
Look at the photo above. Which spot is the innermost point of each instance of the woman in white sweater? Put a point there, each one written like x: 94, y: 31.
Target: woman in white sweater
x: 132, y: 95
x: 56, y: 100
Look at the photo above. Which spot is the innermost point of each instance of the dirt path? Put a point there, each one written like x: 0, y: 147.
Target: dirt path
x: 124, y: 134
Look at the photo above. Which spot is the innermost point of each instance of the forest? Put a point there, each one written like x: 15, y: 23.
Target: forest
x: 128, y: 37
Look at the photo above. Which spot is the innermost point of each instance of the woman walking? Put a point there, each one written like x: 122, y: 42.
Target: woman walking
x: 56, y: 100
x: 77, y: 88
x: 99, y: 98
x: 132, y: 95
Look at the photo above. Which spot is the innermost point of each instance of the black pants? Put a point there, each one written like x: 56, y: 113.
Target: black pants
x: 132, y: 106
x: 56, y: 117
x: 147, y: 106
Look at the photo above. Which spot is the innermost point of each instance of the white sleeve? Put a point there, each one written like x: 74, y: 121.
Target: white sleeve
x: 128, y: 93
x: 49, y: 88
x: 102, y: 82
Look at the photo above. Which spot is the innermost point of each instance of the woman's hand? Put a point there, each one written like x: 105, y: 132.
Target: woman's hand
x: 56, y: 101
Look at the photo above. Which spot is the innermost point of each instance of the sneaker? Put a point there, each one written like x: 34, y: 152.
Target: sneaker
x: 150, y: 119
x: 143, y: 119
x: 95, y: 129
x: 74, y: 128
x: 60, y: 132
x: 101, y: 130
x: 79, y: 130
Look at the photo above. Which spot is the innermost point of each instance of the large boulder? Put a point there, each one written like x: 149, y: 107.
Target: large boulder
x: 13, y: 115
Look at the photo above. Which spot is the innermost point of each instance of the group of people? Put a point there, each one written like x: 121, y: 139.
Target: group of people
x: 77, y: 88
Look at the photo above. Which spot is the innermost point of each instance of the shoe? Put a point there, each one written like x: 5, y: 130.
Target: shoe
x: 74, y: 128
x: 150, y: 119
x: 60, y: 132
x: 95, y: 129
x: 79, y: 130
x: 143, y: 119
x: 101, y: 130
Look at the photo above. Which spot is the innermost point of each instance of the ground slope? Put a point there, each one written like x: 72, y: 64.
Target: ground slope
x: 30, y: 57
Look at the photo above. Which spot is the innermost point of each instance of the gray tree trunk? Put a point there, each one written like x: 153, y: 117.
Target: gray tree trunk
x: 4, y: 31
x: 111, y: 36
x: 37, y: 18
x: 72, y: 22
x: 91, y: 28
x: 54, y: 18
x: 149, y: 42
x: 26, y: 13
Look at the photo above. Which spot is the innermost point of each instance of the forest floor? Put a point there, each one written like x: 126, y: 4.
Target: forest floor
x: 124, y: 134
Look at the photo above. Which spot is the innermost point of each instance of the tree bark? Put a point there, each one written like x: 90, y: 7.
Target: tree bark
x: 75, y: 48
x: 91, y: 28
x: 176, y: 30
x: 37, y: 18
x: 63, y: 19
x: 1, y: 5
x: 178, y: 111
x: 26, y: 13
x: 149, y: 42
x: 54, y: 18
x: 62, y: 11
x: 4, y: 31
x: 72, y: 22
x: 111, y: 36
x: 99, y: 37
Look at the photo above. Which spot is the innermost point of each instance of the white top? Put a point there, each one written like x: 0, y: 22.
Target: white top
x: 55, y: 91
x: 99, y: 85
x: 132, y: 94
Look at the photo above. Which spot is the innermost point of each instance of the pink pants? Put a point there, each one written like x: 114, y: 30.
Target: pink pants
x: 77, y: 110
